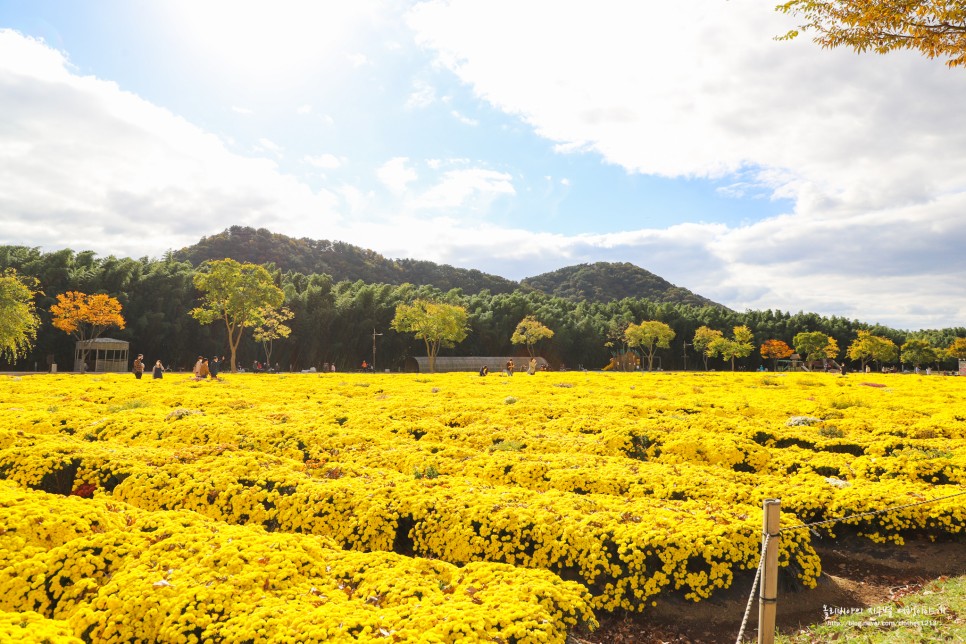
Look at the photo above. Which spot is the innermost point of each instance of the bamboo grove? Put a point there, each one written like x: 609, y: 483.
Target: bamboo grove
x: 335, y: 322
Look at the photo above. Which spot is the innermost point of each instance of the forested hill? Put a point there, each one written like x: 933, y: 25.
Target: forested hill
x: 606, y: 282
x: 601, y: 282
x: 341, y: 261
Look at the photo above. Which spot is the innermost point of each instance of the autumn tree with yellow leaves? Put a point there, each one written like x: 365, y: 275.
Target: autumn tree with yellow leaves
x: 530, y: 331
x: 238, y: 295
x: 18, y: 316
x: 868, y: 347
x: 435, y: 323
x: 936, y: 28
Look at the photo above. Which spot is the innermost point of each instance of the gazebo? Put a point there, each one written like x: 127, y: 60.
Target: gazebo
x: 495, y: 364
x: 103, y: 355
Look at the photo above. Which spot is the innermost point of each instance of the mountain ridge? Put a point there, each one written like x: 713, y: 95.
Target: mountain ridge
x: 596, y: 282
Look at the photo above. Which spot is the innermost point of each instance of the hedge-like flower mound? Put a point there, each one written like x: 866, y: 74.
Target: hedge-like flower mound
x: 627, y: 486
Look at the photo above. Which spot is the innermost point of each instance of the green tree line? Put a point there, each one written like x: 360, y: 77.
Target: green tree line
x: 340, y: 322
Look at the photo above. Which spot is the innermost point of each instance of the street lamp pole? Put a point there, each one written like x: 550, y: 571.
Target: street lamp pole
x: 374, y: 336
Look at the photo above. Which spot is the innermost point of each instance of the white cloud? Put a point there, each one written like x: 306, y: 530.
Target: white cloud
x: 303, y: 109
x: 469, y: 190
x: 465, y: 120
x: 266, y: 145
x: 868, y: 147
x: 871, y: 150
x: 244, y: 111
x: 422, y: 95
x: 357, y: 60
x: 356, y: 200
x: 86, y: 165
x: 715, y: 98
x: 396, y: 174
x: 324, y: 161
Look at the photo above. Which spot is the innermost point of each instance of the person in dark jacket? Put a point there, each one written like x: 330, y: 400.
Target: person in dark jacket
x: 138, y: 366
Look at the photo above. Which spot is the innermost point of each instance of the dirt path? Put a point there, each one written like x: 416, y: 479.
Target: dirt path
x: 859, y: 574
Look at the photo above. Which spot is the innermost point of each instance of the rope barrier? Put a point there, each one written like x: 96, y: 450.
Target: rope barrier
x: 809, y: 526
x: 751, y: 597
x: 870, y: 513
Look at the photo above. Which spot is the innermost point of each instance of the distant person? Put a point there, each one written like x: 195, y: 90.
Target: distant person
x: 205, y: 371
x: 197, y: 368
x: 138, y: 366
x: 484, y: 370
x: 158, y: 371
x: 509, y: 367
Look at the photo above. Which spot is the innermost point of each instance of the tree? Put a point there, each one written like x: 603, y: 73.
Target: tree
x: 616, y: 335
x: 18, y: 315
x: 272, y: 327
x: 530, y: 331
x: 236, y: 294
x: 957, y: 349
x: 775, y: 350
x: 704, y: 339
x: 917, y: 352
x: 740, y: 346
x: 815, y: 345
x: 936, y: 28
x: 438, y: 325
x: 86, y: 317
x: 648, y: 337
x: 868, y: 347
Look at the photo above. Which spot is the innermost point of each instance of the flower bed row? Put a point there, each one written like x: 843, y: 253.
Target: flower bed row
x: 626, y: 550
x: 114, y: 573
x: 633, y: 485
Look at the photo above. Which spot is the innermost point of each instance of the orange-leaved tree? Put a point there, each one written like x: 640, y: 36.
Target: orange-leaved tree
x: 86, y: 317
x: 936, y: 28
x: 775, y: 350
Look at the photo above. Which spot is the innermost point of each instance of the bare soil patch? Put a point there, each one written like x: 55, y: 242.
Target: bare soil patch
x: 856, y: 573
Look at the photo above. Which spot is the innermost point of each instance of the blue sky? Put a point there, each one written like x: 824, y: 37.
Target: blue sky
x: 515, y: 138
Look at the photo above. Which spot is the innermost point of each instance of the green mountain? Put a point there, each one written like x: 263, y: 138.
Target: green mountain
x: 339, y: 260
x: 600, y: 282
x: 608, y: 281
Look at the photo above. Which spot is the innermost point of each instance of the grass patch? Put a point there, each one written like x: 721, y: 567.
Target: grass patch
x: 507, y: 446
x: 134, y: 403
x: 934, y: 614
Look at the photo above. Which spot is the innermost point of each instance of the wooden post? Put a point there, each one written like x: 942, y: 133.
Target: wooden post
x: 768, y: 596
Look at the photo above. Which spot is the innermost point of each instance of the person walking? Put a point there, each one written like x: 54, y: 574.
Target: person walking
x: 214, y: 368
x: 158, y: 371
x: 138, y: 366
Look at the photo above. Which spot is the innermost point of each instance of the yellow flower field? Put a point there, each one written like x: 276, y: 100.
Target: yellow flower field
x: 390, y: 507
